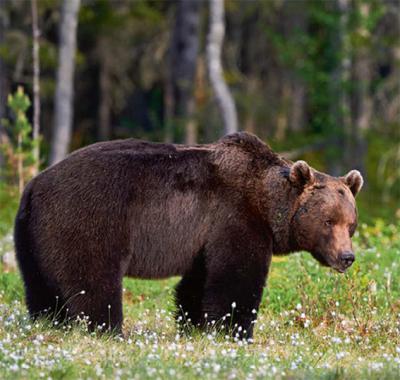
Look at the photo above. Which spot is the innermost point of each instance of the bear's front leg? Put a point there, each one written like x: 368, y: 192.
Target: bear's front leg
x: 237, y: 264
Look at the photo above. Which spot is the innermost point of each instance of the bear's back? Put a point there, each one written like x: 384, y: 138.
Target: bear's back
x: 127, y: 163
x: 154, y: 201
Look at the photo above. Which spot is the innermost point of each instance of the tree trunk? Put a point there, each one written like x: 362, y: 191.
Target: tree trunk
x: 36, y: 86
x: 361, y: 103
x: 295, y: 24
x: 282, y: 119
x: 168, y: 110
x: 340, y: 101
x: 191, y: 132
x: 214, y: 48
x: 183, y: 59
x: 105, y: 101
x: 297, y: 115
x: 63, y: 100
x: 4, y: 86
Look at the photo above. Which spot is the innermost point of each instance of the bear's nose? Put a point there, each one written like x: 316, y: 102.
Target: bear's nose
x: 347, y: 258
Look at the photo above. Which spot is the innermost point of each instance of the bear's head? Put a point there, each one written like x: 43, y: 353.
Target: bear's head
x: 325, y: 215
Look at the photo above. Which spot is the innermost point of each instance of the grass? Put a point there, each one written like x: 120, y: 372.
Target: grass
x: 313, y: 324
x: 9, y: 200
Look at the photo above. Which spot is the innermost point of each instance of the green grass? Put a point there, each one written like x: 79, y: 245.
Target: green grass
x: 313, y: 324
x: 9, y: 200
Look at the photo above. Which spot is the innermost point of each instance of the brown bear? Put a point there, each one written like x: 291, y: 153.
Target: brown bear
x: 213, y: 214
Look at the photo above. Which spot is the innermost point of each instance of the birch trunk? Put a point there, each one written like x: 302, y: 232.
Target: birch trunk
x: 63, y: 101
x: 215, y: 39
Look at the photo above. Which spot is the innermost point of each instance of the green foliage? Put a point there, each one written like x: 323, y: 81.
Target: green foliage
x: 389, y: 173
x: 19, y: 104
x: 313, y: 57
x: 19, y: 150
x: 8, y: 207
x: 381, y: 198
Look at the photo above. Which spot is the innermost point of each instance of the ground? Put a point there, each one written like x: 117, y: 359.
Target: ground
x: 313, y: 324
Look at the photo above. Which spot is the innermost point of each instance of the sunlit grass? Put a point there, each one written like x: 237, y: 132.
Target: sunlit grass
x: 313, y: 323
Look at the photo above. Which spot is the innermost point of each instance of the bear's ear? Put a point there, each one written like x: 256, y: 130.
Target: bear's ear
x: 354, y: 180
x: 301, y: 174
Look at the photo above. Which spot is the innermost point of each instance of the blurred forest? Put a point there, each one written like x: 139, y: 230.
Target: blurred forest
x: 316, y: 79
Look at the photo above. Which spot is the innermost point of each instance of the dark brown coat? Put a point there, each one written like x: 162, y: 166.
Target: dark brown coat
x: 211, y: 213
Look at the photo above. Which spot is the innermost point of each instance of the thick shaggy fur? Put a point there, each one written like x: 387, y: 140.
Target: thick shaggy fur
x: 211, y: 213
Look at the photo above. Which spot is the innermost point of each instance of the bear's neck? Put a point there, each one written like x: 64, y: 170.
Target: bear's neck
x: 280, y: 203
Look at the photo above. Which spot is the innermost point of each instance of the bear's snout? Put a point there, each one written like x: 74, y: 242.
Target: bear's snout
x: 347, y: 258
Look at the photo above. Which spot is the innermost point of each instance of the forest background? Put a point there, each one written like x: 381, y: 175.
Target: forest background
x: 317, y: 80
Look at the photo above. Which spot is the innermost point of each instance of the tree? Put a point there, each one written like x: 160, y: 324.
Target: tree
x: 104, y: 115
x: 63, y: 107
x: 36, y: 84
x: 295, y: 26
x: 20, y: 150
x: 3, y: 81
x: 214, y: 48
x: 361, y: 102
x: 340, y: 77
x: 113, y: 23
x: 183, y: 55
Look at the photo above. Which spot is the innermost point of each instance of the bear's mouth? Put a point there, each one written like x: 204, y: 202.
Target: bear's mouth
x: 327, y: 261
x: 321, y: 258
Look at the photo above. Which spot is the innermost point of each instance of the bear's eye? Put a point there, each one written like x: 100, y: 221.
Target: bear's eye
x: 352, y: 229
x: 328, y: 223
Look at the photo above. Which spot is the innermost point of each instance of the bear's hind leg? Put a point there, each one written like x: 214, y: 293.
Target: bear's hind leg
x: 42, y: 299
x: 42, y: 296
x: 189, y: 293
x: 100, y: 303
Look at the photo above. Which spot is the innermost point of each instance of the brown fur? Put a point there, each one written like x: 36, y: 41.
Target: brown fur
x: 211, y: 213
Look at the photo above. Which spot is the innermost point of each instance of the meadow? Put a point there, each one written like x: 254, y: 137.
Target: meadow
x: 318, y: 80
x: 313, y: 324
